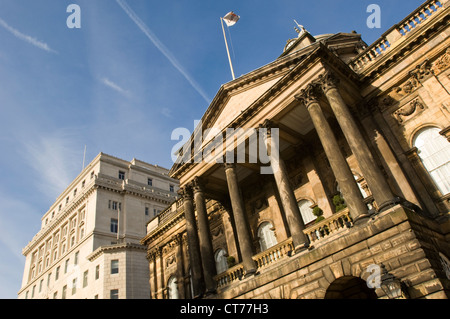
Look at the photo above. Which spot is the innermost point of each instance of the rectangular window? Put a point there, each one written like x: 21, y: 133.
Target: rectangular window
x: 85, y: 279
x: 40, y: 285
x: 66, y: 266
x: 76, y: 258
x: 114, y: 266
x: 146, y: 211
x: 97, y: 272
x: 48, y: 279
x: 121, y: 175
x: 114, y: 225
x: 74, y: 286
x: 57, y: 273
x: 64, y: 292
x: 171, y: 188
x: 114, y: 294
x: 150, y: 182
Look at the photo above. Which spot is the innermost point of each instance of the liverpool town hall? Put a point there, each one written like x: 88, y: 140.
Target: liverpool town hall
x: 357, y: 201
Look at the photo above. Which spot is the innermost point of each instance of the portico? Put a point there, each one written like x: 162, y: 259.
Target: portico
x: 305, y: 182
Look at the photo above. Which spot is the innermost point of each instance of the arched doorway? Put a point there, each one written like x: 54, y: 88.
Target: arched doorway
x: 350, y: 287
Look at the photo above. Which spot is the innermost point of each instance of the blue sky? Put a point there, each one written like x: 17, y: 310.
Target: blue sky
x: 120, y: 84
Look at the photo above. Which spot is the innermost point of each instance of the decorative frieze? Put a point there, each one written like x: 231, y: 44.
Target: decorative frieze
x: 442, y: 63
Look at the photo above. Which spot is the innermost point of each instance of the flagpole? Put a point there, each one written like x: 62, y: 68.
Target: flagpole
x: 228, y: 51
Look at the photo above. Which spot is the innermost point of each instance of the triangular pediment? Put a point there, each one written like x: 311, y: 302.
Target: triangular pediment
x: 236, y: 103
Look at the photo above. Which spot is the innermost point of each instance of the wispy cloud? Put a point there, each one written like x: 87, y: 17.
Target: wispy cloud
x: 162, y: 48
x: 33, y: 41
x: 166, y: 112
x: 115, y: 86
x: 55, y: 160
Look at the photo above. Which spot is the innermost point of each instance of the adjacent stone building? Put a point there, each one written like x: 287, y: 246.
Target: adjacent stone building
x: 355, y: 194
x: 88, y: 245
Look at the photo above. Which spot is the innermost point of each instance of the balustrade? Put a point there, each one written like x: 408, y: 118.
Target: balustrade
x: 397, y: 34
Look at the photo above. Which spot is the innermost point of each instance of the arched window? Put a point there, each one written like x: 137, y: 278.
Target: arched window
x: 434, y: 151
x: 306, y: 211
x: 172, y: 288
x: 266, y: 236
x: 221, y: 261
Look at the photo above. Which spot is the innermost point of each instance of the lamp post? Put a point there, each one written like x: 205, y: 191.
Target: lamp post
x: 391, y: 286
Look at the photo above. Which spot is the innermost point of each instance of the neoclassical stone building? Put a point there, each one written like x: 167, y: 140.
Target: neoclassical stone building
x: 359, y: 174
x: 89, y: 242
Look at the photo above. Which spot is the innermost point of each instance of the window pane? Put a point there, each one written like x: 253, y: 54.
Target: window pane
x: 434, y: 151
x: 306, y: 211
x: 114, y: 266
x: 266, y: 236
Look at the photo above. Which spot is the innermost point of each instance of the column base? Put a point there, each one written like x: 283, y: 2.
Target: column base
x: 299, y: 248
x: 361, y: 219
x: 210, y: 292
x: 388, y: 204
x: 249, y: 273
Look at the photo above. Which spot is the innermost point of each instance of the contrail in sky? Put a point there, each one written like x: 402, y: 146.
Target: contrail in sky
x: 162, y: 48
x: 26, y: 38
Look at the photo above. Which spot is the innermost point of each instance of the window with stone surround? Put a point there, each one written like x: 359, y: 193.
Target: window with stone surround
x: 434, y: 151
x: 266, y: 236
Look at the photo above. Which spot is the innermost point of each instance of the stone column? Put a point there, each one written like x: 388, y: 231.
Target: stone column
x: 237, y: 204
x: 180, y: 266
x: 206, y: 248
x: 287, y: 196
x: 339, y: 165
x: 195, y: 259
x: 386, y: 154
x: 372, y: 174
x: 153, y: 277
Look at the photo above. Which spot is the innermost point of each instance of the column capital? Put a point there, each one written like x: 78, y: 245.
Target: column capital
x: 229, y: 165
x: 198, y: 184
x: 268, y: 125
x: 327, y: 81
x: 308, y: 95
x: 185, y: 192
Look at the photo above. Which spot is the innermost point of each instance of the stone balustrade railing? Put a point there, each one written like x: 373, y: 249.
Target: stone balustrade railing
x: 329, y: 226
x: 262, y: 259
x: 398, y: 33
x: 234, y: 273
x: 274, y: 253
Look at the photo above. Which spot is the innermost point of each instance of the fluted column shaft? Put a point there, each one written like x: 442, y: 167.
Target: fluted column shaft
x: 193, y: 242
x: 372, y: 173
x: 206, y: 248
x: 339, y: 165
x: 237, y: 204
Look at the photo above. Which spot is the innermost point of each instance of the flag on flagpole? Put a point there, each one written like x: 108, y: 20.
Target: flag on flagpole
x: 231, y: 18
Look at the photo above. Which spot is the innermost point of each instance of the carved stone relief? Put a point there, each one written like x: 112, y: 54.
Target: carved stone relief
x: 409, y: 110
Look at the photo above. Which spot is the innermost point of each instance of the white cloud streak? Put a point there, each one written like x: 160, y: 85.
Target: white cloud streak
x: 33, y: 41
x: 162, y: 48
x: 54, y: 158
x: 115, y: 86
